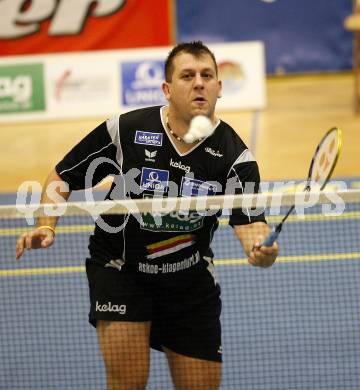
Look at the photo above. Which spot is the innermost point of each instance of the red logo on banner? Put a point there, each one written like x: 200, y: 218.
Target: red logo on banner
x: 44, y: 26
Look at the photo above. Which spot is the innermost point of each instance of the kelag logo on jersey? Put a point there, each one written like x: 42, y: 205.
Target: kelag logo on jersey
x: 176, y: 221
x: 148, y: 138
x: 141, y: 83
x: 155, y: 180
x: 193, y: 187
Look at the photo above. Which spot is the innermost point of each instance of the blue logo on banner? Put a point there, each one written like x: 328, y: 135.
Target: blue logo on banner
x: 193, y: 187
x: 148, y: 138
x: 141, y: 83
x: 155, y: 180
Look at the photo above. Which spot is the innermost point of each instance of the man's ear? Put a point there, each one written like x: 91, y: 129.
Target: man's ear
x: 220, y: 90
x: 166, y: 90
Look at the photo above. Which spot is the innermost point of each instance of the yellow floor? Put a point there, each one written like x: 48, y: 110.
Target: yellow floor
x: 300, y: 109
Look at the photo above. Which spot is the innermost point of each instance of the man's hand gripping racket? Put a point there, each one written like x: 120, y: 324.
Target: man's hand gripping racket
x: 321, y: 168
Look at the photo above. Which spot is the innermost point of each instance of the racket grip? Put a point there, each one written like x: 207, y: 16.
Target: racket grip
x: 271, y: 238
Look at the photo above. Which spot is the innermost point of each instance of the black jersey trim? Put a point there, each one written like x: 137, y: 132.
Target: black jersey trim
x: 242, y: 189
x: 113, y: 128
x: 86, y: 158
x: 245, y: 156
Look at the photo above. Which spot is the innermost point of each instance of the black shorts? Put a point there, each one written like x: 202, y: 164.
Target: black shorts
x: 184, y: 308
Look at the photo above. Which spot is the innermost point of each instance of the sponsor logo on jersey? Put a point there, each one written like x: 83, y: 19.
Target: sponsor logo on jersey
x: 166, y: 268
x: 148, y: 138
x: 110, y: 308
x: 179, y: 165
x: 117, y: 264
x: 213, y: 152
x: 194, y: 187
x: 175, y: 221
x: 155, y: 180
x: 141, y: 83
x: 150, y: 156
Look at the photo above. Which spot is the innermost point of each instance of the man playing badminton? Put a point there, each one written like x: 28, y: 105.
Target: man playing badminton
x: 152, y: 282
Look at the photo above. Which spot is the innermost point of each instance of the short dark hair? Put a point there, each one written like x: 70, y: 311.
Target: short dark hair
x: 196, y: 48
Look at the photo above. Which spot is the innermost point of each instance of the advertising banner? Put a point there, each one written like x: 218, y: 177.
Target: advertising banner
x: 75, y: 88
x: 242, y: 72
x: 299, y: 36
x: 22, y: 88
x: 103, y: 83
x: 49, y: 26
x: 141, y: 83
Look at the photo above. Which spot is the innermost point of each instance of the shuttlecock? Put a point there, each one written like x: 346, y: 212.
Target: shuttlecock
x: 200, y: 127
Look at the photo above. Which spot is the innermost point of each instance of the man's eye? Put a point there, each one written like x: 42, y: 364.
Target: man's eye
x: 187, y: 76
x: 207, y: 75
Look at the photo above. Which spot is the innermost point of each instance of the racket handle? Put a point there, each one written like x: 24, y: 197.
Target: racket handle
x: 271, y: 238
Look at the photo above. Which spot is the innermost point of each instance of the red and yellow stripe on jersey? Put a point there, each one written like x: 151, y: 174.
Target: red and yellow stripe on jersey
x: 171, y: 245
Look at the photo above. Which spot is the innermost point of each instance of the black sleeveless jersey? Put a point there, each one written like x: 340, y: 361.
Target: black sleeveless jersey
x: 141, y: 156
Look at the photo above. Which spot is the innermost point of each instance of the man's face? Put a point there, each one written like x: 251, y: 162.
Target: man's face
x: 194, y: 87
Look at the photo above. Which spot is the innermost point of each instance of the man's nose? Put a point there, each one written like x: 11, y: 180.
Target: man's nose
x: 198, y: 81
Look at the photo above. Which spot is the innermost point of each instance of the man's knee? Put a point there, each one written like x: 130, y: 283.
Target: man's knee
x: 193, y: 374
x: 121, y: 380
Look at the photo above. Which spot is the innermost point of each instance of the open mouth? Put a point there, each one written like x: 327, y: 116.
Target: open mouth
x: 199, y: 99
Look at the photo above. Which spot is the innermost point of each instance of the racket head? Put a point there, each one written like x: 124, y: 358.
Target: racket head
x: 325, y: 158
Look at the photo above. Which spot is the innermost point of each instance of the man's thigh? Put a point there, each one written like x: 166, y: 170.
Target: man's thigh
x: 186, y: 318
x: 126, y: 352
x: 121, y: 311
